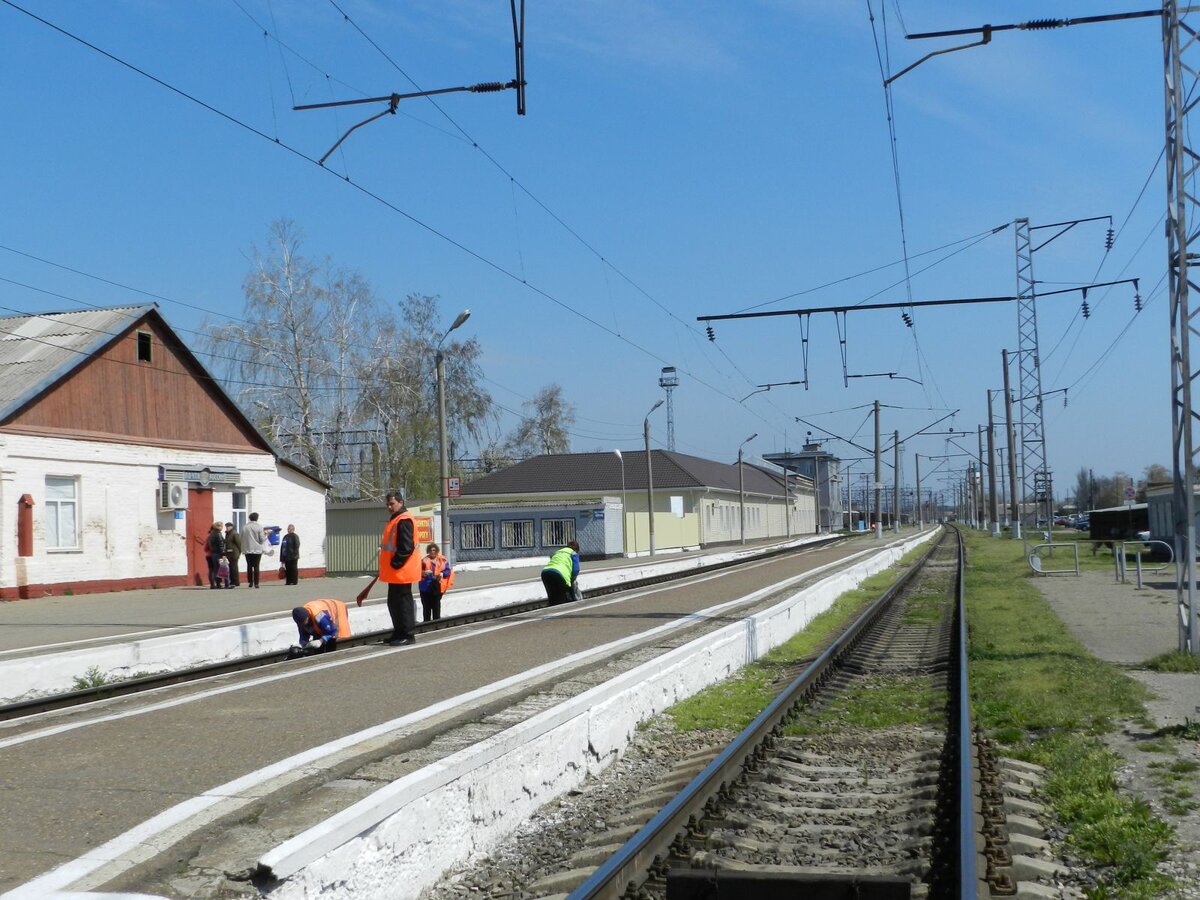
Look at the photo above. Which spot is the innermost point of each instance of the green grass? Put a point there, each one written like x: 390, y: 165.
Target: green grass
x: 877, y: 702
x: 1038, y: 691
x: 92, y: 678
x: 734, y: 703
x: 1175, y: 661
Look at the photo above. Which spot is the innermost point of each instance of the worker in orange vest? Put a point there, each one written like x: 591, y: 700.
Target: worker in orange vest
x: 399, y: 568
x: 321, y: 623
x: 436, y: 578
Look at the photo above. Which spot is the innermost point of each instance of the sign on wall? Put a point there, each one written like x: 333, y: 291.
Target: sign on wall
x: 422, y: 529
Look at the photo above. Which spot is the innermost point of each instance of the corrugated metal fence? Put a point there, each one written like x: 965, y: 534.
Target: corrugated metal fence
x: 352, y: 537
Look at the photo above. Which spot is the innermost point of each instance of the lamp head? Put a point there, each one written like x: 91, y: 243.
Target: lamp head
x: 655, y: 406
x: 619, y: 456
x: 462, y: 317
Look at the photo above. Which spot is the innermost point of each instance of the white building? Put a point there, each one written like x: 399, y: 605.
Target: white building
x: 118, y: 451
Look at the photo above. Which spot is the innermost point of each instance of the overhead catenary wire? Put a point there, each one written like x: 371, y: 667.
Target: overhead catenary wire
x: 378, y: 198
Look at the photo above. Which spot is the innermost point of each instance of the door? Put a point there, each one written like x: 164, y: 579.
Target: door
x: 199, y: 521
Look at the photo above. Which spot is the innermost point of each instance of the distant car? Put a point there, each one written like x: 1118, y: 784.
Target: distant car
x: 1061, y: 521
x: 1144, y: 535
x: 1082, y: 523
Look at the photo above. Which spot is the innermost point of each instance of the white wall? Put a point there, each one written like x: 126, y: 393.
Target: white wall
x: 122, y: 535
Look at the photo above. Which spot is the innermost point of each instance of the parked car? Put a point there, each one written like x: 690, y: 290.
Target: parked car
x: 1082, y: 523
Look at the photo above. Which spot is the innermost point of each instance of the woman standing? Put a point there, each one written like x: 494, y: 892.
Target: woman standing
x: 436, y: 578
x: 214, y: 549
x: 289, y: 555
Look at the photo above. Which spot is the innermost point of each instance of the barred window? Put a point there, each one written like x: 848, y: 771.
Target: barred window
x: 516, y: 534
x: 556, y: 532
x: 476, y: 536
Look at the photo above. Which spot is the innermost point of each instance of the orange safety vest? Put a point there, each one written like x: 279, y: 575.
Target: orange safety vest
x: 435, y: 565
x: 337, y: 612
x: 410, y: 572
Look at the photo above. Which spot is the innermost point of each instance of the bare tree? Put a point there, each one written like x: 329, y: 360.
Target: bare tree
x: 292, y: 359
x: 400, y: 397
x: 545, y: 428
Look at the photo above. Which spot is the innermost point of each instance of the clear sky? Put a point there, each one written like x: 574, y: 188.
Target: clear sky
x: 678, y: 159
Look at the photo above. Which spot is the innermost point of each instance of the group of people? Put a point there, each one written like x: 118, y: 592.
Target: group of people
x: 322, y: 623
x: 224, y: 548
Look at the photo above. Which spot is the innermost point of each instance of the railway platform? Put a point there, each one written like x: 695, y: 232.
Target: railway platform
x: 176, y: 793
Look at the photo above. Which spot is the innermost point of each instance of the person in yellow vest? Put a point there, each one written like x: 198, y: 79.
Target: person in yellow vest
x: 399, y: 568
x: 560, y: 577
x: 436, y: 578
x: 321, y: 623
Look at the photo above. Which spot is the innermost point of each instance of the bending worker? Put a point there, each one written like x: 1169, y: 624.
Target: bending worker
x: 561, y: 574
x: 321, y: 624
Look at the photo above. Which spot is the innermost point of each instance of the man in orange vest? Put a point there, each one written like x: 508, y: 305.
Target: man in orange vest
x: 399, y: 568
x: 321, y: 623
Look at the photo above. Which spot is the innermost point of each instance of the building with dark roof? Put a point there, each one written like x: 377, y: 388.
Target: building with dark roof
x: 602, y: 500
x: 118, y: 451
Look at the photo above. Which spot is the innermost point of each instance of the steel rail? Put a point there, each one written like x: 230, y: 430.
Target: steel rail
x: 647, y: 850
x: 968, y: 880
x: 145, y: 683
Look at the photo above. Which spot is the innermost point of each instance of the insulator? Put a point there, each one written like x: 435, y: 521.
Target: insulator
x: 1137, y: 302
x: 1086, y: 312
x: 711, y: 336
x: 1109, y: 238
x: 487, y: 87
x: 1042, y: 24
x: 907, y: 319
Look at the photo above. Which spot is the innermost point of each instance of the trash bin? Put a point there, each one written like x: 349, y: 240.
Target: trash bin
x: 272, y: 533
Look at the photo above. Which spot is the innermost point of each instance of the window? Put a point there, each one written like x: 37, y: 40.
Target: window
x: 476, y: 536
x: 145, y: 344
x: 516, y: 534
x: 556, y: 532
x: 62, y: 513
x: 239, y: 511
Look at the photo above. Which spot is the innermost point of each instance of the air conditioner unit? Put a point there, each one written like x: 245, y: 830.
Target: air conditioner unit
x: 172, y: 495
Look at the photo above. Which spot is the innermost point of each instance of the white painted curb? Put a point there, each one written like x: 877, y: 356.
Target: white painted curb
x: 396, y: 842
x: 27, y: 677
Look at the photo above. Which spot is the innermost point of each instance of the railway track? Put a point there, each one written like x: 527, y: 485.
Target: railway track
x: 133, y: 686
x: 812, y: 794
x: 850, y: 784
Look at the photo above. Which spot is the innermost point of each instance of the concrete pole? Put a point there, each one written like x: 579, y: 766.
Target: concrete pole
x: 1014, y: 497
x: 920, y: 516
x: 878, y: 479
x: 444, y: 469
x: 993, y: 513
x: 896, y: 482
x: 649, y: 481
x: 741, y: 497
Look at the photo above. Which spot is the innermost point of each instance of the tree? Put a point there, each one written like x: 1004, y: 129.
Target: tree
x: 399, y: 396
x: 292, y: 357
x: 1083, y: 489
x: 545, y: 428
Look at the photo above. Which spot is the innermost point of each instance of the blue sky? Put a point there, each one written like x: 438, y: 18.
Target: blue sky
x: 677, y: 160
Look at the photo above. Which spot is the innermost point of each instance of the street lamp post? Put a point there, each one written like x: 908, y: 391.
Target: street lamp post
x: 649, y: 473
x: 624, y: 542
x: 444, y: 473
x: 742, y: 487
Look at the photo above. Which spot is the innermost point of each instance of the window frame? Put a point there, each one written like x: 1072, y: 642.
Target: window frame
x: 58, y: 504
x: 145, y: 347
x: 508, y: 526
x: 466, y: 529
x: 568, y: 525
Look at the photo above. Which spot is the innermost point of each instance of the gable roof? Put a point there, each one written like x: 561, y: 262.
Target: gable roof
x: 40, y: 351
x: 571, y: 473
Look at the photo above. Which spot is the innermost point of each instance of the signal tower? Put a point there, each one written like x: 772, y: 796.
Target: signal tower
x: 668, y: 381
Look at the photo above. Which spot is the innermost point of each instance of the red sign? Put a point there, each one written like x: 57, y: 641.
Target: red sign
x: 453, y: 487
x: 423, y: 531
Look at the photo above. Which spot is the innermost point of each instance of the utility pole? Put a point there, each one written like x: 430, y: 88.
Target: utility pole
x: 983, y: 509
x: 668, y: 380
x: 878, y: 479
x: 1015, y: 515
x: 896, y: 482
x: 920, y: 517
x: 991, y: 450
x: 1182, y: 207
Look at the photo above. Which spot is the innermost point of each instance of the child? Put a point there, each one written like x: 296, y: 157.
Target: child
x: 223, y: 573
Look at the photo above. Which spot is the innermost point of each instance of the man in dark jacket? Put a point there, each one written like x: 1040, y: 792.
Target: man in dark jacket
x: 233, y: 553
x: 399, y: 568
